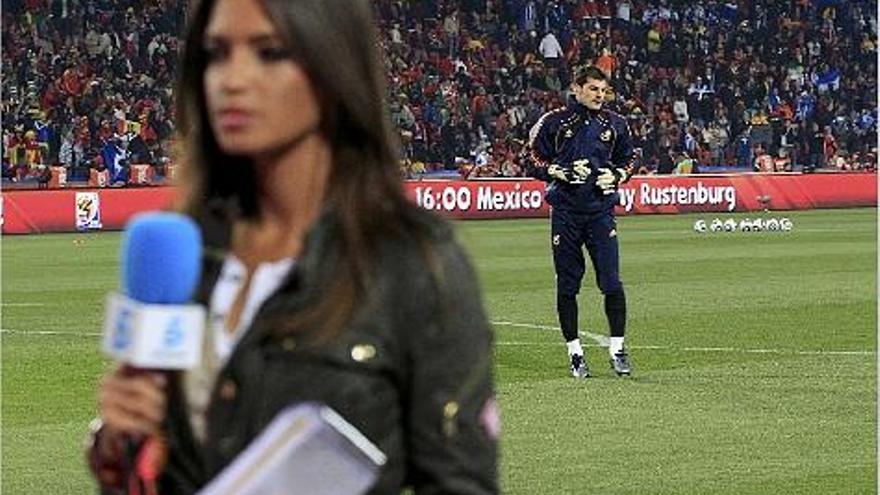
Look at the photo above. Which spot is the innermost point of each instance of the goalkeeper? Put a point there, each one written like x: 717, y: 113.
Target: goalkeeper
x: 584, y: 153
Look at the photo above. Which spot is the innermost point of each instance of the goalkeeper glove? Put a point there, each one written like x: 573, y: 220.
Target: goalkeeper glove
x: 609, y: 179
x: 556, y: 172
x: 581, y: 170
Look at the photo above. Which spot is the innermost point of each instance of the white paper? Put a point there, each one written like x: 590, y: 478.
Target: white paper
x: 306, y: 449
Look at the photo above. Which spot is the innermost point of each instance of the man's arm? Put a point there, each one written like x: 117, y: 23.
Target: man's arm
x: 542, y: 152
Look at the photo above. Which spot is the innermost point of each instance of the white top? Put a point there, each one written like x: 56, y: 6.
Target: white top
x: 219, y: 341
x: 624, y: 10
x: 264, y: 282
x: 550, y: 47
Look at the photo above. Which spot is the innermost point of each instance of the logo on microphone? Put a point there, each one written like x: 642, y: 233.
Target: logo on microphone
x: 122, y: 335
x: 173, y: 336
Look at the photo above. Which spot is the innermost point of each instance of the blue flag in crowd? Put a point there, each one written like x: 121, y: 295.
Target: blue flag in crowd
x: 114, y: 160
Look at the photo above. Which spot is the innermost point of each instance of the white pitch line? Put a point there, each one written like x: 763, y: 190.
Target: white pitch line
x: 21, y: 305
x: 603, y: 342
x: 48, y: 333
x: 599, y: 339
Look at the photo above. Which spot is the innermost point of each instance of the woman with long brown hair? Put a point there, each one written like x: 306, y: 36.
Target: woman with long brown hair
x: 322, y: 281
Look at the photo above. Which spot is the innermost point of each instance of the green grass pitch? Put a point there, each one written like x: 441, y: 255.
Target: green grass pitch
x: 754, y: 354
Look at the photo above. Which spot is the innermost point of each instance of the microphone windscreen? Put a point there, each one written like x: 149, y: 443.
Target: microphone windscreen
x: 161, y: 258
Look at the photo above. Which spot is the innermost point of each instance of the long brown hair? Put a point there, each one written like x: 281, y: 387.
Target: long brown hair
x: 337, y: 43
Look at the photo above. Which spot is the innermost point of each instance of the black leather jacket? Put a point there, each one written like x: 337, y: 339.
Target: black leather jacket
x: 425, y: 396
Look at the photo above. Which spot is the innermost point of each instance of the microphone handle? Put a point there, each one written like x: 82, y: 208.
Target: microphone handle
x: 133, y: 485
x: 136, y: 483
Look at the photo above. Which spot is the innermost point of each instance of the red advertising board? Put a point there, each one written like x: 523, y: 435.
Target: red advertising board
x: 481, y: 199
x: 68, y: 210
x: 747, y: 192
x: 655, y: 194
x: 72, y: 209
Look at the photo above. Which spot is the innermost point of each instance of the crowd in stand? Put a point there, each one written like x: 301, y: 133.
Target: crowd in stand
x: 702, y: 82
x: 759, y: 84
x: 88, y: 84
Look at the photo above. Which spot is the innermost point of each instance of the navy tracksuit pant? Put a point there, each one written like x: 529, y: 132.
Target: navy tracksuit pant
x: 570, y: 233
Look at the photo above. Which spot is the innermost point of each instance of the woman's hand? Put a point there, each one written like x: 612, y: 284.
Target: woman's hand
x: 130, y: 403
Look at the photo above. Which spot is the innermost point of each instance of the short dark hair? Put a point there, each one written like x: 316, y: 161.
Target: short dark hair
x: 584, y: 72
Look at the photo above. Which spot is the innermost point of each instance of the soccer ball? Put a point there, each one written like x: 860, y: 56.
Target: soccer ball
x: 729, y: 225
x: 758, y: 225
x: 786, y: 225
x: 745, y: 225
x: 773, y: 224
x: 700, y: 226
x: 716, y: 225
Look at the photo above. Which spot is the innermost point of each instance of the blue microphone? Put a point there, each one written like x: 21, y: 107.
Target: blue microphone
x: 151, y: 325
x: 161, y: 258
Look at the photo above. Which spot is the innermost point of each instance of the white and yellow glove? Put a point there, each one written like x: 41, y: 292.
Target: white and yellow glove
x: 558, y: 173
x: 580, y: 171
x: 608, y: 179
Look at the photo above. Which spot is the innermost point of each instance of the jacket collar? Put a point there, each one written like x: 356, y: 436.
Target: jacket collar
x: 583, y: 111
